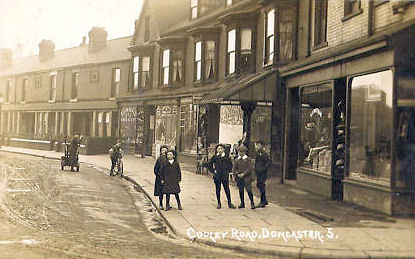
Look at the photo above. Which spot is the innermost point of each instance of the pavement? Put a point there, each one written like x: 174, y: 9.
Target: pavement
x: 279, y: 229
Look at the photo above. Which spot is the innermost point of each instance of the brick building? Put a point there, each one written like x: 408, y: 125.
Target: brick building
x: 350, y: 103
x: 51, y: 95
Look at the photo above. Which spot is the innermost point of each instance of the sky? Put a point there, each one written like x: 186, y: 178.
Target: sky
x: 65, y: 22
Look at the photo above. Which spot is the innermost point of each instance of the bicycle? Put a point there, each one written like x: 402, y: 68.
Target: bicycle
x: 119, y: 167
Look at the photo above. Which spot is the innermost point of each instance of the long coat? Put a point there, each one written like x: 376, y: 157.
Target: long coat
x: 172, y: 176
x: 261, y: 166
x: 243, y: 166
x: 73, y: 150
x: 158, y: 186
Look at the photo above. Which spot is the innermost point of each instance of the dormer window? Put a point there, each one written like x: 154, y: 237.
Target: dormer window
x: 194, y: 9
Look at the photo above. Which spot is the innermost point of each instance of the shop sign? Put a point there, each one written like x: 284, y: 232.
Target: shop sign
x: 166, y: 110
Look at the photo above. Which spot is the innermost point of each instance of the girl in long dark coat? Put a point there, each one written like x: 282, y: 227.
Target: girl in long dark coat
x: 73, y: 149
x: 171, y: 177
x: 158, y: 185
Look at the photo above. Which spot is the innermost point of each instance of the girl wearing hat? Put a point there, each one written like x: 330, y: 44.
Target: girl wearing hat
x: 158, y: 185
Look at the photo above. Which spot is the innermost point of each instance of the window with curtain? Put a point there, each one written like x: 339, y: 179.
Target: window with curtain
x: 269, y: 37
x: 75, y: 85
x: 210, y: 59
x: 231, y: 51
x: 145, y: 72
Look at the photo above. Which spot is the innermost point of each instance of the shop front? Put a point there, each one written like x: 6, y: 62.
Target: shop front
x: 345, y: 129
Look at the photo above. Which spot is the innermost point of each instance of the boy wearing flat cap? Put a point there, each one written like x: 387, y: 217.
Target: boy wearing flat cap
x: 243, y: 176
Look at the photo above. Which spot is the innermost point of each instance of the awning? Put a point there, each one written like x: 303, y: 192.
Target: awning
x: 259, y: 87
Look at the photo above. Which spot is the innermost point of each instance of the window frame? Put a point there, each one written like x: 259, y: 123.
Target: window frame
x: 318, y: 33
x: 52, y: 87
x: 167, y: 67
x: 115, y: 85
x: 267, y: 61
x: 204, y: 60
x: 348, y: 9
x: 194, y: 7
x: 25, y: 84
x: 75, y: 85
x: 8, y: 91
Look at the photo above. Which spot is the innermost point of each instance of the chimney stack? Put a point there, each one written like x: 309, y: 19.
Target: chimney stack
x: 6, y: 58
x: 46, y: 50
x: 97, y: 39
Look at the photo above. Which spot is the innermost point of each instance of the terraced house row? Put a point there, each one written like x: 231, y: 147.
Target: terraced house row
x: 328, y: 85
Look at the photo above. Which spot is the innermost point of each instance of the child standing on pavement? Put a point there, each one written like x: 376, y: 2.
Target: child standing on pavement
x: 158, y: 186
x: 171, y: 177
x: 243, y: 176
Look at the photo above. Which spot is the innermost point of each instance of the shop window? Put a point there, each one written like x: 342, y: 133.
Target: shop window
x: 194, y: 8
x: 166, y: 125
x: 316, y: 128
x: 320, y: 22
x: 269, y: 37
x: 230, y: 124
x: 351, y: 7
x: 188, y: 127
x: 166, y: 67
x: 52, y: 96
x: 115, y: 86
x: 24, y: 89
x: 8, y: 91
x: 128, y: 123
x: 370, y: 126
x: 75, y: 86
x: 261, y: 126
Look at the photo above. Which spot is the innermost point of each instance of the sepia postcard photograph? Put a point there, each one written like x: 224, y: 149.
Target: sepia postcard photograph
x: 207, y: 129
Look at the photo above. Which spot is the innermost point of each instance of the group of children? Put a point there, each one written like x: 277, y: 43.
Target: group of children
x: 168, y: 175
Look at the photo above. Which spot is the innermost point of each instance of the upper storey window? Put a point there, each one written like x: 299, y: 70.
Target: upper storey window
x: 279, y: 32
x: 320, y: 23
x: 194, y: 9
x: 205, y: 55
x: 351, y: 7
x: 241, y: 35
x: 142, y: 63
x: 172, y: 61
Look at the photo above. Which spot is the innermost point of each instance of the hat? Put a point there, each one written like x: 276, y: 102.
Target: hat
x: 242, y: 149
x: 260, y: 141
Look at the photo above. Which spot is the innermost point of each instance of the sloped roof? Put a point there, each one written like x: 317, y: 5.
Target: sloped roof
x: 116, y: 49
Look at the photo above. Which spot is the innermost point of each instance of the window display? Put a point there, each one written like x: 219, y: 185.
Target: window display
x: 261, y: 126
x: 188, y: 126
x: 166, y: 124
x: 316, y: 128
x: 371, y: 126
x: 231, y: 124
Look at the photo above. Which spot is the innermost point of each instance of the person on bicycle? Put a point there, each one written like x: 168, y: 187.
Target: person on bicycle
x: 115, y: 153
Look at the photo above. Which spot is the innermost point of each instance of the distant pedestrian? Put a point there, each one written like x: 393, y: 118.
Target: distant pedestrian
x: 171, y: 176
x: 158, y: 185
x: 73, y: 149
x: 243, y: 176
x: 261, y: 168
x: 115, y: 153
x: 221, y: 165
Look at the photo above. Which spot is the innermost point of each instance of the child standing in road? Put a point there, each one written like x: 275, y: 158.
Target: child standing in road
x: 243, y: 176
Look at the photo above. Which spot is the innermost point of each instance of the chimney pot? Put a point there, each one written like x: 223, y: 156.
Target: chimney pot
x: 97, y: 39
x: 46, y: 50
x: 6, y: 58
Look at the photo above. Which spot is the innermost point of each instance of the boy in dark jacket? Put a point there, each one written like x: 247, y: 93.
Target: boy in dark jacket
x: 221, y: 165
x: 261, y: 168
x: 158, y: 185
x: 115, y: 153
x: 243, y: 176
